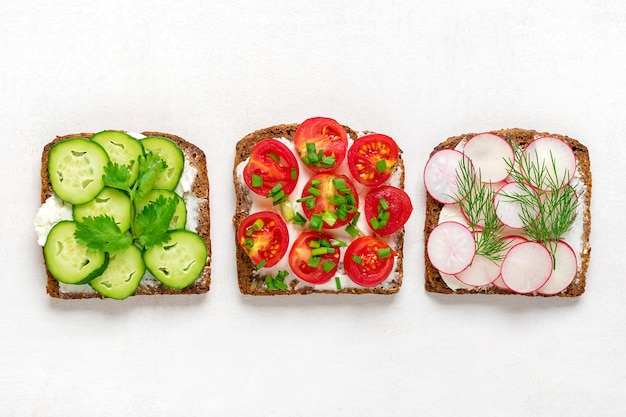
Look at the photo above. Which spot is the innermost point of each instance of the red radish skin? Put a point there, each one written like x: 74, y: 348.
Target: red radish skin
x: 490, y: 155
x: 507, y: 210
x: 512, y: 240
x: 440, y: 175
x: 565, y: 271
x: 526, y: 267
x: 543, y: 150
x: 451, y: 247
x: 481, y: 272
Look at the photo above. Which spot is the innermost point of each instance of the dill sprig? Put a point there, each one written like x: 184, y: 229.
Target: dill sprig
x: 476, y: 200
x: 548, y: 203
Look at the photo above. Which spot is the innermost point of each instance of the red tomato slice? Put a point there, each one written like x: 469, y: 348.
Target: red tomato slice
x: 368, y: 261
x: 371, y: 159
x: 387, y: 209
x: 271, y: 163
x: 321, y: 134
x: 308, y: 259
x: 264, y: 237
x: 331, y: 196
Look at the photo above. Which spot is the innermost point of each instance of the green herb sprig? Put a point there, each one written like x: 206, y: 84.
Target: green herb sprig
x: 476, y: 200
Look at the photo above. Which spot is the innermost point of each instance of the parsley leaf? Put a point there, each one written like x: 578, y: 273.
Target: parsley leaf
x: 117, y: 176
x: 150, y: 166
x: 101, y: 233
x: 154, y: 220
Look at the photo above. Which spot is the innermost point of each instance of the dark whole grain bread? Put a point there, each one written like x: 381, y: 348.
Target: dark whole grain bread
x: 520, y: 138
x: 252, y: 283
x: 200, y: 189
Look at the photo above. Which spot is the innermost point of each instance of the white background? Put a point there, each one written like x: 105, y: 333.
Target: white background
x: 215, y: 71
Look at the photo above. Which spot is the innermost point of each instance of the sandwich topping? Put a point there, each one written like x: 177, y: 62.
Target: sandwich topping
x: 325, y: 210
x: 121, y: 213
x: 512, y: 217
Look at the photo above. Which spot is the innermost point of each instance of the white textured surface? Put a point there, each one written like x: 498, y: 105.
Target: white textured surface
x: 214, y: 71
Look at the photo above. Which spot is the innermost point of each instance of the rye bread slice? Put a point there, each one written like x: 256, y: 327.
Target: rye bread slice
x: 200, y: 189
x: 520, y: 138
x: 250, y: 281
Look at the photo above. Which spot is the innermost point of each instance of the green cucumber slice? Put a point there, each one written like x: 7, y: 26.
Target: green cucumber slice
x: 122, y: 276
x: 172, y: 155
x: 75, y: 169
x: 179, y: 262
x: 180, y: 215
x: 122, y: 149
x: 110, y: 201
x: 67, y: 260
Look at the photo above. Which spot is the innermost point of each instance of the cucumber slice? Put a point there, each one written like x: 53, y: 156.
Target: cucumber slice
x: 172, y: 155
x: 122, y: 276
x: 122, y: 149
x: 179, y: 262
x: 110, y: 201
x: 180, y: 215
x: 67, y: 260
x: 75, y: 168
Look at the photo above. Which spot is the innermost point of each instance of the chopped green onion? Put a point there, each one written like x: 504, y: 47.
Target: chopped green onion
x: 306, y: 160
x: 316, y: 222
x: 258, y: 224
x: 339, y: 183
x: 381, y: 165
x: 328, y: 161
x: 269, y: 283
x: 310, y: 148
x: 314, y: 261
x: 357, y: 259
x: 351, y: 230
x: 249, y: 243
x: 356, y: 218
x: 287, y: 209
x: 280, y: 285
x: 374, y: 222
x: 282, y: 274
x: 338, y: 283
x: 294, y: 174
x: 316, y: 183
x: 275, y: 157
x: 325, y: 243
x: 299, y: 219
x: 328, y: 266
x: 257, y: 181
x: 330, y: 218
x: 384, y: 253
x: 279, y: 197
x: 275, y: 189
x: 383, y: 203
x: 261, y: 264
x: 337, y: 242
x: 314, y: 244
x: 322, y: 251
x: 314, y: 191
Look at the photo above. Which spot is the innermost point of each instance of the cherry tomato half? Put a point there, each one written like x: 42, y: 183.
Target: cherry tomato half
x: 331, y: 196
x: 271, y: 163
x: 368, y: 261
x: 313, y: 258
x: 321, y: 143
x: 264, y: 237
x: 387, y: 209
x: 371, y: 159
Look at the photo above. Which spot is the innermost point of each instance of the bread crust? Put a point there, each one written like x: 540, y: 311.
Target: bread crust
x: 521, y: 138
x: 200, y: 189
x: 252, y: 283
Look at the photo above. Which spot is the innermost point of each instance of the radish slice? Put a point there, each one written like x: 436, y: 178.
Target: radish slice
x: 565, y: 271
x: 508, y: 211
x: 482, y: 271
x: 453, y: 213
x: 555, y: 156
x: 526, y: 267
x: 491, y: 156
x: 451, y: 247
x: 513, y: 240
x: 453, y: 282
x: 440, y: 175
